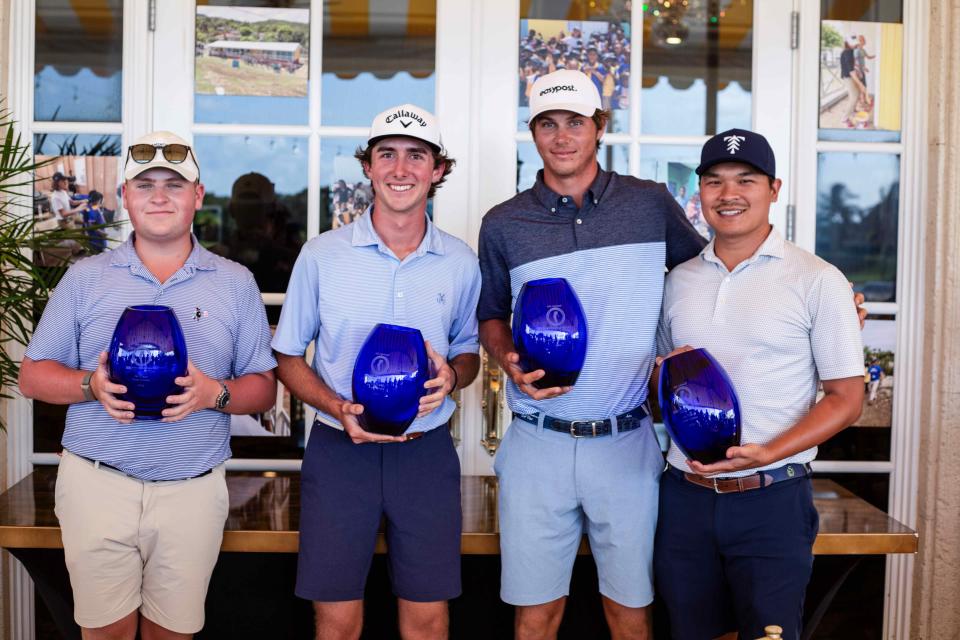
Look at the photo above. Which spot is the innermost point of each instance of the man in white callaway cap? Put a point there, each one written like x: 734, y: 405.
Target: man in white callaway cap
x: 142, y: 505
x: 581, y: 458
x: 407, y: 272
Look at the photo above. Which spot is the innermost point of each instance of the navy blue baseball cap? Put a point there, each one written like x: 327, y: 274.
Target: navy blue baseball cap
x: 738, y: 145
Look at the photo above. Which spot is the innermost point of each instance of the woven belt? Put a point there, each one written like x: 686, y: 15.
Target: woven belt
x: 97, y: 463
x: 590, y: 428
x: 758, y: 480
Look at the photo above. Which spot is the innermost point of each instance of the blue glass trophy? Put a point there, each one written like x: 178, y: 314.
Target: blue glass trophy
x: 699, y: 405
x: 388, y: 378
x: 147, y: 352
x: 550, y: 331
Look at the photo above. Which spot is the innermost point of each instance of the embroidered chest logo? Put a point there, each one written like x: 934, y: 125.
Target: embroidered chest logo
x: 441, y: 298
x: 733, y: 143
x: 199, y: 313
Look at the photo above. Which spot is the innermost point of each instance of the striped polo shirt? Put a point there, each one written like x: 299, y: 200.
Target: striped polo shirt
x: 225, y: 325
x: 779, y: 323
x: 347, y: 280
x: 614, y: 251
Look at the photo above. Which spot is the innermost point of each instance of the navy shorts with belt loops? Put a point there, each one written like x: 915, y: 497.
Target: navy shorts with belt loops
x: 734, y: 561
x: 347, y: 489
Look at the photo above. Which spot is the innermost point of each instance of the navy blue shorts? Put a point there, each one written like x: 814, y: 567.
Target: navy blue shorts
x: 734, y: 561
x: 347, y: 489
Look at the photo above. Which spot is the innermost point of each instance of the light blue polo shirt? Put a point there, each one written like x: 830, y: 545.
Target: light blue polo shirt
x: 225, y: 325
x: 347, y: 280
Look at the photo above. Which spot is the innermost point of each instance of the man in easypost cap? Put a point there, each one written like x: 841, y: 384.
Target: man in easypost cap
x: 734, y: 542
x: 581, y: 458
x: 142, y: 504
x: 406, y: 272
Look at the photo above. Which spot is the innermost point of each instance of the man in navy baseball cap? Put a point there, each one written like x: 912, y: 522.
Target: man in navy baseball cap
x: 776, y: 317
x: 738, y: 145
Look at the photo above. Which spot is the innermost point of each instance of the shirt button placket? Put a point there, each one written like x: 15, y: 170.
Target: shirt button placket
x: 719, y: 308
x: 399, y: 301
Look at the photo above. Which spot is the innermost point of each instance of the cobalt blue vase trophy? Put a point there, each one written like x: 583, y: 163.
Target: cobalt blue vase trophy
x: 550, y: 331
x: 147, y: 352
x: 699, y: 405
x: 388, y: 378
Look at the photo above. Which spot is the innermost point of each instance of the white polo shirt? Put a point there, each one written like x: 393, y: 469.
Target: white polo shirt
x: 779, y: 323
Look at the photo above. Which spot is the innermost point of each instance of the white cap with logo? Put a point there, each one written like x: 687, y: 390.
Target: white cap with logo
x: 564, y: 90
x: 406, y: 120
x: 187, y: 167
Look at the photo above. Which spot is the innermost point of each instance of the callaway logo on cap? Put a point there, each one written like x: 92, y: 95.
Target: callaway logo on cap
x: 406, y: 120
x: 564, y: 90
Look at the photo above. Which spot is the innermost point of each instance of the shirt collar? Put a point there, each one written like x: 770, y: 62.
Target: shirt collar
x: 772, y: 246
x: 364, y: 235
x: 551, y: 200
x: 125, y: 255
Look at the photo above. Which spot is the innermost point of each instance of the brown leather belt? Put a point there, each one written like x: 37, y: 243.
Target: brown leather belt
x: 756, y: 480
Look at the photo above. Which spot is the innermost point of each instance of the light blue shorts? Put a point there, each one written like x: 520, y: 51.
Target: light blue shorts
x: 553, y: 488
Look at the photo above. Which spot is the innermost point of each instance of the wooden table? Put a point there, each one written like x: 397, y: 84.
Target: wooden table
x: 265, y: 512
x: 261, y: 539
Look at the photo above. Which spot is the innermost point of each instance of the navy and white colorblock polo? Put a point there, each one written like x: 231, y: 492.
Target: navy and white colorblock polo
x: 614, y: 251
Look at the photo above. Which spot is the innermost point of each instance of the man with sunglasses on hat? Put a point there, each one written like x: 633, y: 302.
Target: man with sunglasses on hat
x: 734, y: 541
x: 142, y: 504
x: 583, y: 458
x: 406, y: 272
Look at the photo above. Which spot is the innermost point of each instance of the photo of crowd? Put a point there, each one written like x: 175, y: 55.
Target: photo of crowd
x: 599, y: 49
x: 75, y: 192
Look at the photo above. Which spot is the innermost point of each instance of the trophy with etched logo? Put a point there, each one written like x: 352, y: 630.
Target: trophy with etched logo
x: 699, y: 405
x: 550, y: 331
x: 147, y: 352
x: 388, y: 378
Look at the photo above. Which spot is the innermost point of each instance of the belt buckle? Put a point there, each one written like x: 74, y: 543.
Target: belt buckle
x: 573, y: 428
x: 716, y: 486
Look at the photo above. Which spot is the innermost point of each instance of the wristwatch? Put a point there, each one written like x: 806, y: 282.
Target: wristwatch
x: 223, y: 399
x: 85, y: 387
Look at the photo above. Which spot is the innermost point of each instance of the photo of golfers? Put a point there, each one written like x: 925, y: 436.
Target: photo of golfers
x: 860, y: 75
x: 76, y: 192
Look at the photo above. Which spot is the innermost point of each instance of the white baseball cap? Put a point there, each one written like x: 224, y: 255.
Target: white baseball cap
x: 158, y: 140
x: 565, y: 90
x: 406, y: 120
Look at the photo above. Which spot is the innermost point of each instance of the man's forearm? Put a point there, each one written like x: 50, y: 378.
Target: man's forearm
x: 51, y: 382
x: 466, y: 365
x: 305, y: 384
x: 251, y: 393
x: 497, y: 339
x: 839, y: 408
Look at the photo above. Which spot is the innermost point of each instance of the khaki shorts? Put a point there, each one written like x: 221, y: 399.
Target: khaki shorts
x: 131, y: 544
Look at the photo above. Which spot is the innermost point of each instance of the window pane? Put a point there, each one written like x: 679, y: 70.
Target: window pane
x: 858, y: 198
x: 251, y: 63
x: 860, y: 80
x: 376, y: 55
x: 675, y: 166
x: 570, y: 34
x: 79, y: 51
x: 613, y: 157
x: 697, y: 66
x: 255, y: 218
